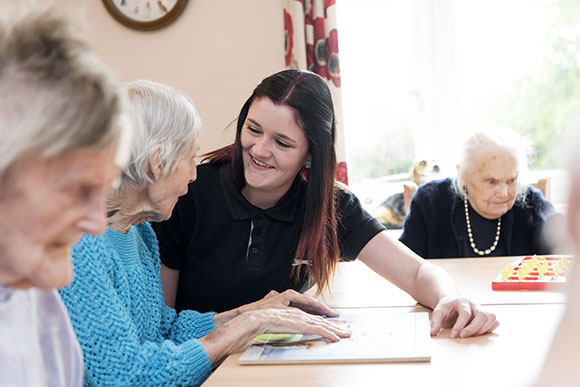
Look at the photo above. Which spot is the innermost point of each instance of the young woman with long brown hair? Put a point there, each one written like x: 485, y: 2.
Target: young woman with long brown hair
x: 266, y: 214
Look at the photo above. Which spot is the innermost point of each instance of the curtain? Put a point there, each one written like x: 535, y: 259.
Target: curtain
x: 311, y: 42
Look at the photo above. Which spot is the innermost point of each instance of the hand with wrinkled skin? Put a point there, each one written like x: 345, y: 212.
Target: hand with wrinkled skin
x: 291, y: 299
x: 275, y: 300
x: 235, y: 334
x: 468, y: 319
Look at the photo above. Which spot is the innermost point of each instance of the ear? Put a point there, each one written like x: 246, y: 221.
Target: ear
x: 154, y: 164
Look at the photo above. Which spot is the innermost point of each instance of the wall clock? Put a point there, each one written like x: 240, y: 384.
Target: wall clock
x: 145, y: 15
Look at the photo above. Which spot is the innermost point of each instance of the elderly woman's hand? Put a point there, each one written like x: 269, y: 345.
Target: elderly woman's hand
x: 235, y: 334
x: 468, y: 319
x: 292, y: 320
x: 291, y: 299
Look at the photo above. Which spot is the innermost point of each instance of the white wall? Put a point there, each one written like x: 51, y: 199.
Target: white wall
x: 216, y: 52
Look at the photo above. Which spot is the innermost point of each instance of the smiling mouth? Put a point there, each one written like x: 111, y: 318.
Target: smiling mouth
x: 259, y: 163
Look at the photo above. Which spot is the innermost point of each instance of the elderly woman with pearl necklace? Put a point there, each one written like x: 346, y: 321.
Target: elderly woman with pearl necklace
x: 485, y: 211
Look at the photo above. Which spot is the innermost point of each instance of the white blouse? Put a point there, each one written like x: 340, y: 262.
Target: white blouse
x: 38, y: 346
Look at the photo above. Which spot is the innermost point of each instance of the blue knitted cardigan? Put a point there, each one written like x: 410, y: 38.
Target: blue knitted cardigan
x: 127, y: 333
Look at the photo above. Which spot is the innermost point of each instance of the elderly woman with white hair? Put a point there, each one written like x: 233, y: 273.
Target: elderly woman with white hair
x: 127, y: 333
x: 485, y: 211
x: 61, y: 128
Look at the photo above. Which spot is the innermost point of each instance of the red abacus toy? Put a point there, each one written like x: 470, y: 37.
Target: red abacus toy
x: 533, y: 273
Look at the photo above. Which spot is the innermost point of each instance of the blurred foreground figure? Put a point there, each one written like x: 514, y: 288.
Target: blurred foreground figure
x: 561, y: 367
x: 60, y: 130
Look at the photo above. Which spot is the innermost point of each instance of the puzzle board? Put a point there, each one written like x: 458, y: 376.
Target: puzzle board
x: 376, y: 338
x: 533, y: 273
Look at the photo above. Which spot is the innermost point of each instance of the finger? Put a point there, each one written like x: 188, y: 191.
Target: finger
x: 327, y: 334
x: 307, y: 329
x: 437, y: 319
x: 311, y: 305
x: 296, y: 321
x: 333, y: 326
x: 334, y: 329
x: 463, y: 317
x: 338, y: 329
x: 488, y: 324
x: 487, y: 327
x: 476, y: 326
x: 493, y: 327
x: 314, y: 307
x: 271, y: 294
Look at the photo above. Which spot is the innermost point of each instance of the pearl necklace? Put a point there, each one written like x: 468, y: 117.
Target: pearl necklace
x: 470, y: 234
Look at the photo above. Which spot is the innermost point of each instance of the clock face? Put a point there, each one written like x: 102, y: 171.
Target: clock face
x: 145, y: 10
x: 145, y: 14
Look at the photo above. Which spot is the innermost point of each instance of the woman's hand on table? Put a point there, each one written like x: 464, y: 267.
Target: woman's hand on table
x: 291, y: 299
x: 468, y: 319
x: 293, y: 321
x: 235, y: 334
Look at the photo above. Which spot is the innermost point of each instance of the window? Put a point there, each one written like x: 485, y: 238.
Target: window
x: 416, y: 74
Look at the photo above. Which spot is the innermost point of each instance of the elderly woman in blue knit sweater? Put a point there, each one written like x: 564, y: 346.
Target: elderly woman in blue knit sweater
x: 127, y: 333
x: 485, y: 211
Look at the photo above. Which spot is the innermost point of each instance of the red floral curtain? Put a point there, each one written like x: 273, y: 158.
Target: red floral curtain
x: 311, y: 42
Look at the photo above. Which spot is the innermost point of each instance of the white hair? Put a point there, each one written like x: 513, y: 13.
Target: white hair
x: 55, y: 95
x: 166, y: 121
x: 493, y: 139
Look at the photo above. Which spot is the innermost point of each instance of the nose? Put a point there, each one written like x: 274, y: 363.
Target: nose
x: 260, y: 148
x: 94, y: 221
x: 502, y: 190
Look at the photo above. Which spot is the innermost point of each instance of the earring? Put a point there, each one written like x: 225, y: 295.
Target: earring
x: 465, y: 189
x: 308, y: 164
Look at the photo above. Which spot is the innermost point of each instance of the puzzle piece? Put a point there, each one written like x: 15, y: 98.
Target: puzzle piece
x: 507, y: 272
x: 543, y: 268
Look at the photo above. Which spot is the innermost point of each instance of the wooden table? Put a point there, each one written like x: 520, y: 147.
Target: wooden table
x: 511, y: 356
x: 355, y: 285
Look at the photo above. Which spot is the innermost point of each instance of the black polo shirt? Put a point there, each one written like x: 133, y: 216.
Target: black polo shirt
x: 230, y: 252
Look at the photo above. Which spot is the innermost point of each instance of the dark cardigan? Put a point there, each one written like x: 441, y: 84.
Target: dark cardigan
x: 430, y: 232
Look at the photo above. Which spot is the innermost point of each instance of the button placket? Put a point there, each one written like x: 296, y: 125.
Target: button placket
x: 257, y: 237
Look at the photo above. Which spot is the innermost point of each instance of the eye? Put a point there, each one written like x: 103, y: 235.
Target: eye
x: 80, y: 192
x: 492, y: 182
x: 282, y: 144
x: 85, y: 192
x: 253, y: 130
